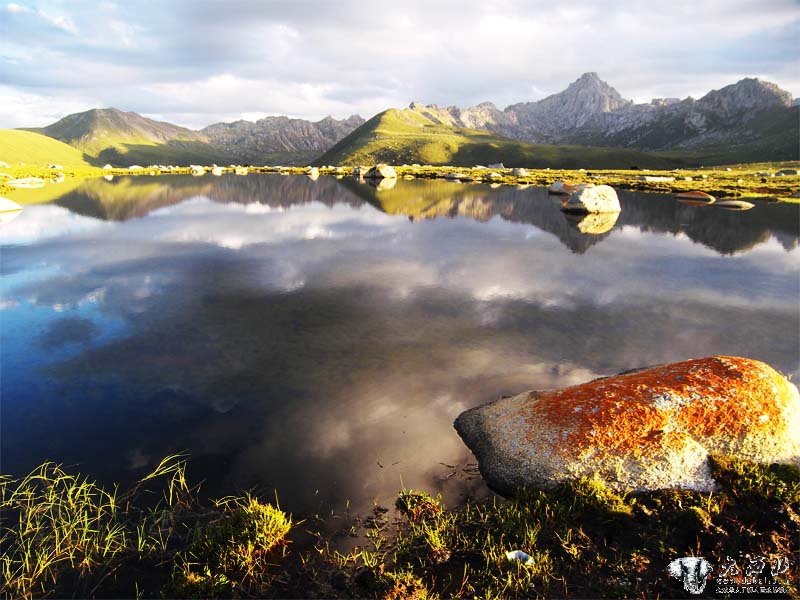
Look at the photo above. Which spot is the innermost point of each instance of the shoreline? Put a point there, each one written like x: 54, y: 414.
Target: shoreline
x: 575, y: 539
x: 738, y: 181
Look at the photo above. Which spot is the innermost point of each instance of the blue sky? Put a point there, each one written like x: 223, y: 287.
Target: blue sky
x: 199, y: 62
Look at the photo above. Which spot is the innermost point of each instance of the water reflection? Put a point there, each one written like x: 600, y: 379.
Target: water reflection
x: 291, y: 336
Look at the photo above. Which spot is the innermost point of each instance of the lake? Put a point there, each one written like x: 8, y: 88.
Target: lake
x: 316, y: 339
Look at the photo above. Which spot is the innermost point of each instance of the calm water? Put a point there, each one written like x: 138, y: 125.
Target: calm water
x: 319, y: 338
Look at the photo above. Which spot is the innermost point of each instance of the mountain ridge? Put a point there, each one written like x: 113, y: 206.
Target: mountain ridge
x: 591, y: 112
x: 747, y: 120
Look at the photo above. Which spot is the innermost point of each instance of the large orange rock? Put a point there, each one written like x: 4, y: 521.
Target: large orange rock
x: 647, y: 429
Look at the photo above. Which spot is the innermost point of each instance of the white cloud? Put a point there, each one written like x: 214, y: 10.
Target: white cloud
x: 59, y: 21
x: 201, y: 62
x: 17, y: 9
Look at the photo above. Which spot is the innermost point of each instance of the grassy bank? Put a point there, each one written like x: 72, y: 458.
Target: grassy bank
x: 63, y: 535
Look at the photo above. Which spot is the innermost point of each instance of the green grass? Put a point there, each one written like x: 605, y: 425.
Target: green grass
x: 64, y: 535
x: 18, y: 146
x: 406, y: 136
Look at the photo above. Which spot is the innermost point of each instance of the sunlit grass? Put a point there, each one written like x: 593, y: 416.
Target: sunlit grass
x: 63, y: 534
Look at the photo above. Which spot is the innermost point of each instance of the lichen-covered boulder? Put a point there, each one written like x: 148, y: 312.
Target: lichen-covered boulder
x: 648, y: 429
x: 381, y: 172
x: 593, y: 199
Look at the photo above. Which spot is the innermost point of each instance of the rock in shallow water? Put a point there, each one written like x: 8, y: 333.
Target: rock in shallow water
x: 647, y: 429
x: 592, y: 199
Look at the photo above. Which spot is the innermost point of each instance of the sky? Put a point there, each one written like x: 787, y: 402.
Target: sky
x: 198, y: 62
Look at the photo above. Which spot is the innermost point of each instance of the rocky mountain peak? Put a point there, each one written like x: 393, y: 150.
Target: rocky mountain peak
x: 593, y: 93
x: 583, y: 99
x: 744, y: 96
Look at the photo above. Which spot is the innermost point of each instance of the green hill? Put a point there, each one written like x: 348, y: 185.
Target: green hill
x: 109, y: 135
x: 407, y: 136
x: 18, y: 146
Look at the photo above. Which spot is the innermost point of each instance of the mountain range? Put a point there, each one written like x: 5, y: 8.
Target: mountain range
x: 747, y: 121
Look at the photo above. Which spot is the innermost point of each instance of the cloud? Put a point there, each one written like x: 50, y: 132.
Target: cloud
x: 17, y: 9
x: 200, y: 62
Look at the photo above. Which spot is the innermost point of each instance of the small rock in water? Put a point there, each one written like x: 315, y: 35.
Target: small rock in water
x: 562, y: 187
x: 734, y: 204
x: 381, y: 172
x: 593, y: 199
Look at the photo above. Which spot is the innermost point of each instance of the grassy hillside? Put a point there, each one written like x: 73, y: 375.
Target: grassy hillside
x: 110, y: 135
x: 35, y: 149
x: 406, y: 136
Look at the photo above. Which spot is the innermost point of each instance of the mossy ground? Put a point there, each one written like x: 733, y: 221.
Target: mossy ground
x: 63, y: 535
x: 583, y: 539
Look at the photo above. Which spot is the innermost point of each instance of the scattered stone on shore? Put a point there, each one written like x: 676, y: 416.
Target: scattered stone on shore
x: 313, y: 173
x: 734, y: 204
x: 26, y: 182
x: 562, y: 188
x: 455, y: 176
x: 656, y: 178
x: 593, y: 199
x: 381, y: 172
x: 497, y: 166
x: 217, y: 171
x: 646, y: 429
x: 520, y: 172
x: 240, y: 170
x: 784, y: 172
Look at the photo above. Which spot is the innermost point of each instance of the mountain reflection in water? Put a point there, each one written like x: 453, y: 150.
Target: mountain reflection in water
x: 306, y: 336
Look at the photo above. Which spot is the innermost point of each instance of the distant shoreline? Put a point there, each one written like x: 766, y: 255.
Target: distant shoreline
x: 752, y: 181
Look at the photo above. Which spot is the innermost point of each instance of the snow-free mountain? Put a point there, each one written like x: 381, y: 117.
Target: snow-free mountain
x: 591, y: 112
x: 119, y: 137
x: 750, y: 120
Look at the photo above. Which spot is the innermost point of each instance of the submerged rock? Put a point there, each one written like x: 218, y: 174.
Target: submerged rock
x: 734, y: 205
x: 593, y: 199
x: 641, y: 430
x: 695, y: 198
